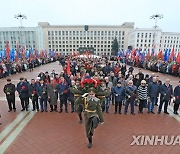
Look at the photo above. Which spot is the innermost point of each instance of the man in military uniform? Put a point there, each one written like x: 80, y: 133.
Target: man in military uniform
x: 9, y: 90
x: 76, y: 89
x: 92, y: 112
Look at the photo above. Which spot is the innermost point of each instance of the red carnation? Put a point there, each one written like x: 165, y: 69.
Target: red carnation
x: 23, y: 87
x: 65, y: 91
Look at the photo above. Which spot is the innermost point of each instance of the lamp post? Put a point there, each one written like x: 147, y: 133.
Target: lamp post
x: 20, y: 17
x: 155, y: 17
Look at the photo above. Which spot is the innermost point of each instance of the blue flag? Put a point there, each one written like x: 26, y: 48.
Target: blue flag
x: 166, y: 55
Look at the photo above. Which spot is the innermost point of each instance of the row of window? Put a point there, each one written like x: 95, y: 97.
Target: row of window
x: 85, y: 42
x: 86, y: 32
x: 168, y: 41
x: 81, y: 38
x: 70, y: 50
x: 145, y: 45
x: 171, y: 37
x: 145, y: 35
x: 151, y: 45
x: 15, y: 32
x: 145, y: 40
x: 170, y: 45
x: 70, y: 46
x: 14, y: 42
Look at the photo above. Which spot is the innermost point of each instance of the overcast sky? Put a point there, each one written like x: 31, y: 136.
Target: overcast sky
x: 92, y: 12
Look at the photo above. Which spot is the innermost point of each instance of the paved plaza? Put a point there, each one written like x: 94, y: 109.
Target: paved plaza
x: 60, y: 133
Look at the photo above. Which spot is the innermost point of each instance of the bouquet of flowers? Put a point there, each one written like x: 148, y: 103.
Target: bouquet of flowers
x: 23, y: 87
x: 8, y: 90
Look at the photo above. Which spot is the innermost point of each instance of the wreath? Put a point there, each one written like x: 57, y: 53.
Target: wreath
x: 88, y: 83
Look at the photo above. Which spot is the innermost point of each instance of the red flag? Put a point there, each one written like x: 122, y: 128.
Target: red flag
x: 42, y: 54
x: 23, y: 53
x: 17, y: 52
x: 68, y: 68
x: 35, y: 53
x: 160, y: 55
x: 171, y: 58
x: 178, y: 58
x: 148, y: 55
x: 133, y: 54
x: 7, y: 50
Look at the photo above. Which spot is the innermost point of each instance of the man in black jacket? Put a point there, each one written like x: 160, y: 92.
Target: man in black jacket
x: 33, y: 89
x: 23, y: 90
x: 9, y: 90
x: 177, y: 98
x: 153, y: 89
x: 166, y: 91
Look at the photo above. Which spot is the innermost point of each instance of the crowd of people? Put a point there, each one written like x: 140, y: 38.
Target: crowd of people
x: 111, y: 81
x: 155, y: 65
x: 123, y: 85
x: 8, y: 68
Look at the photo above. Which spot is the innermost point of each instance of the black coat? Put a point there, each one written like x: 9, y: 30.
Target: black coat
x: 23, y: 90
x: 33, y: 89
x: 166, y: 92
x: 177, y: 94
x: 11, y: 89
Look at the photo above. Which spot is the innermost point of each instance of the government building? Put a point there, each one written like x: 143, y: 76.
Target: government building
x: 96, y: 38
x: 154, y: 39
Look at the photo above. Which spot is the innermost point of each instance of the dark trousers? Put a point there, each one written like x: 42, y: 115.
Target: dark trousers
x: 72, y: 105
x: 24, y: 103
x: 176, y: 107
x: 80, y: 110
x: 61, y: 104
x: 113, y: 98
x: 103, y: 106
x: 11, y: 104
x: 53, y: 107
x: 116, y: 106
x: 129, y: 101
x: 142, y: 105
x: 35, y: 103
x: 165, y: 102
x: 43, y: 104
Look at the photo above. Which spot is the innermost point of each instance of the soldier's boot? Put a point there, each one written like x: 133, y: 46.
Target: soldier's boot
x: 95, y: 122
x: 90, y: 142
x: 80, y: 118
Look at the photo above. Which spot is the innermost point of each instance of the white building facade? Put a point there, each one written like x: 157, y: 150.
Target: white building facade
x: 30, y: 37
x: 154, y: 39
x: 66, y: 39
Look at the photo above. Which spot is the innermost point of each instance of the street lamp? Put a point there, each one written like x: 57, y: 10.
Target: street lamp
x: 155, y: 17
x: 20, y: 17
